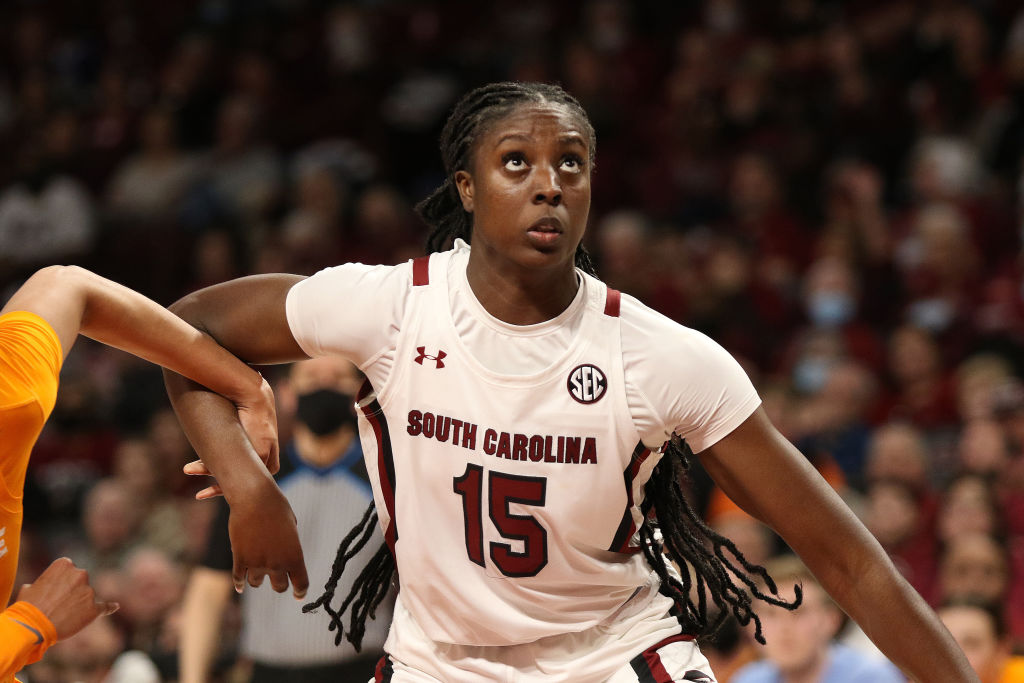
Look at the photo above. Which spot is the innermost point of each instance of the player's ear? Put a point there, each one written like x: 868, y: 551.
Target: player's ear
x: 464, y: 184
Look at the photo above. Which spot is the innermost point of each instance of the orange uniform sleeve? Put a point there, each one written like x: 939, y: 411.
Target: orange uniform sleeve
x: 25, y: 634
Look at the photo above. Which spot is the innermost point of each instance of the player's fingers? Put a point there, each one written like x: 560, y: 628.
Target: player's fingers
x: 279, y: 581
x: 300, y: 581
x: 274, y: 459
x: 210, y: 492
x: 256, y: 577
x: 238, y: 577
x: 106, y: 608
x: 196, y: 467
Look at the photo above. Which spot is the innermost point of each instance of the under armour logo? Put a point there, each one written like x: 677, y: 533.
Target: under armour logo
x: 439, y: 358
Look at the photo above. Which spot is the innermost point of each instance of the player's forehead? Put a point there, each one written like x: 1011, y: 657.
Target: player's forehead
x: 532, y: 121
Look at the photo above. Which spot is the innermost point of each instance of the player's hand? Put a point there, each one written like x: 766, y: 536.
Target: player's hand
x: 64, y: 595
x: 197, y: 468
x: 265, y: 542
x: 258, y: 415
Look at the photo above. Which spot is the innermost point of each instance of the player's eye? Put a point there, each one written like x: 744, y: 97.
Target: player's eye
x: 513, y: 161
x: 572, y: 163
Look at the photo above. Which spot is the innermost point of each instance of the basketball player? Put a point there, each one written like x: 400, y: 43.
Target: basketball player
x: 38, y: 326
x: 521, y: 419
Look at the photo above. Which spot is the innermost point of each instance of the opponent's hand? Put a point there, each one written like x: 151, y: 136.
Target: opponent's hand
x: 197, y: 468
x: 258, y: 415
x: 265, y: 542
x: 64, y: 595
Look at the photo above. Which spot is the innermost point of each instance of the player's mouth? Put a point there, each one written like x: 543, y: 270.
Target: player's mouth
x: 546, y: 231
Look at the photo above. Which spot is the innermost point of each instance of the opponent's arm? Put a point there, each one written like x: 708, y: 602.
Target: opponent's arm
x: 769, y: 478
x: 247, y: 317
x: 75, y: 301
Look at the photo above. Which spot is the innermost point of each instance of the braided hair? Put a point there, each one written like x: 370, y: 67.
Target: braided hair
x: 672, y: 532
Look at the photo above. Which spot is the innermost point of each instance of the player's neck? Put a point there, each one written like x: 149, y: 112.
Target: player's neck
x: 523, y: 298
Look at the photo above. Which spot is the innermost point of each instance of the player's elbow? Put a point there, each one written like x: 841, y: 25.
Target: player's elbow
x: 59, y: 278
x: 187, y: 309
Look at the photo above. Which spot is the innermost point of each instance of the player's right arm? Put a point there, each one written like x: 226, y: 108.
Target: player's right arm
x: 247, y: 317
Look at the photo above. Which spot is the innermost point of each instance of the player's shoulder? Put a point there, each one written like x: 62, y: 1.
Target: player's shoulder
x: 353, y: 282
x: 28, y: 335
x: 642, y: 321
x: 371, y: 271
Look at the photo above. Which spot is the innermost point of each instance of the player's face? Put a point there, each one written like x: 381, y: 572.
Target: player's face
x: 528, y: 188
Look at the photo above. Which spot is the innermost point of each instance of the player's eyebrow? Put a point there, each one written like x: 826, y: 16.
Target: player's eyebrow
x: 567, y: 138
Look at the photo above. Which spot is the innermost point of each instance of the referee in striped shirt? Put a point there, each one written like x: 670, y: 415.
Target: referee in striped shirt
x: 323, y: 477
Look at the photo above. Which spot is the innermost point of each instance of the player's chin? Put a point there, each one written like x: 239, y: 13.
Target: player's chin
x: 546, y: 259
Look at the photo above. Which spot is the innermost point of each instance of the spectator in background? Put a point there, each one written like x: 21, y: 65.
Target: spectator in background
x: 921, y: 391
x: 800, y: 645
x: 153, y: 587
x: 160, y: 516
x: 240, y: 177
x: 979, y: 629
x: 968, y: 506
x: 896, y: 516
x: 46, y: 216
x: 978, y: 380
x: 314, y: 228
x: 148, y: 186
x: 323, y: 475
x: 836, y: 421
x: 977, y: 566
x: 941, y: 271
x: 110, y: 518
x: 831, y: 300
x: 623, y: 238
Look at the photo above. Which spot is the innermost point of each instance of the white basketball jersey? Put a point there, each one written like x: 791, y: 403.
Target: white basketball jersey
x: 509, y: 502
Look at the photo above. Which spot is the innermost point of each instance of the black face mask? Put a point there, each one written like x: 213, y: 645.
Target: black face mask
x: 325, y: 411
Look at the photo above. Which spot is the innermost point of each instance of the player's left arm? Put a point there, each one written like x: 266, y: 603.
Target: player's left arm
x: 769, y: 478
x: 76, y: 301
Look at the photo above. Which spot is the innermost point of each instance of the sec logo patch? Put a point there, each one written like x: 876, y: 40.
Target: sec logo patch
x: 586, y: 383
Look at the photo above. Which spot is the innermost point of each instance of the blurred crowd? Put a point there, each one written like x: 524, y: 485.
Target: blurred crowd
x: 832, y: 190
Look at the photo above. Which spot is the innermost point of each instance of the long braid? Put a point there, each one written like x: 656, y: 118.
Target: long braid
x: 369, y: 588
x: 700, y: 553
x: 699, y: 550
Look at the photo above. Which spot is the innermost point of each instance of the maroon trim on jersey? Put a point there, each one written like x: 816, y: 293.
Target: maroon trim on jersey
x: 649, y: 668
x: 385, y: 459
x: 385, y: 670
x: 627, y: 527
x: 612, y: 302
x: 421, y: 271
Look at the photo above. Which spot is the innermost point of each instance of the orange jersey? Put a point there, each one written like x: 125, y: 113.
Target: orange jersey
x: 30, y: 360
